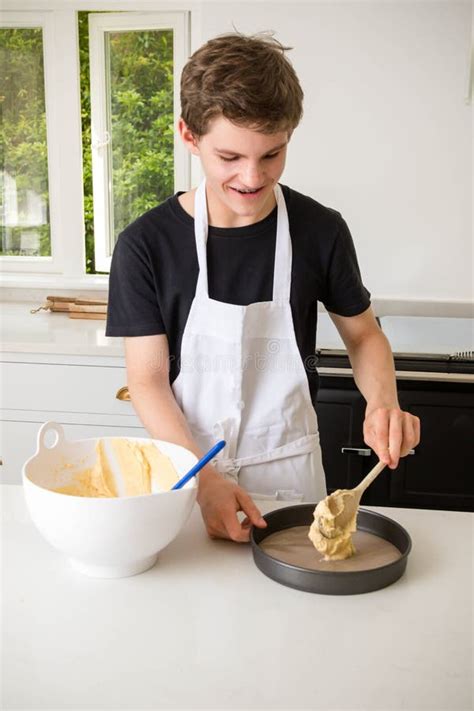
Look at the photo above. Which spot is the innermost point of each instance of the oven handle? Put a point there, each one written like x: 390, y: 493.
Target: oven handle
x: 364, y: 451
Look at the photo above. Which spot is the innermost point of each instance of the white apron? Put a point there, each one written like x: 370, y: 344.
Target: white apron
x: 242, y: 379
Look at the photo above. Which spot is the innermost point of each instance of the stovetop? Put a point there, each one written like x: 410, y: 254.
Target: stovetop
x: 424, y: 344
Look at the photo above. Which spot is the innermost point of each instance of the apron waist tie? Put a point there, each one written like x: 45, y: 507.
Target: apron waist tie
x: 303, y: 445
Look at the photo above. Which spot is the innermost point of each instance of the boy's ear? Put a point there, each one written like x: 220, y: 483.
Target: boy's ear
x: 188, y: 137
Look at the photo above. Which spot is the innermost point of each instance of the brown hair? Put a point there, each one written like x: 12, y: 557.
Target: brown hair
x: 246, y: 79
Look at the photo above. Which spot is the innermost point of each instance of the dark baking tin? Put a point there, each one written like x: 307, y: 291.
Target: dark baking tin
x: 330, y: 582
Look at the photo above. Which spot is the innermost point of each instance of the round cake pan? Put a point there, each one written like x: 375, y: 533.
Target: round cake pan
x: 330, y: 582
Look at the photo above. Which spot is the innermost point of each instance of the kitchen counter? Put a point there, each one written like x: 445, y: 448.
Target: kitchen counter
x: 46, y: 336
x: 53, y: 333
x: 205, y: 629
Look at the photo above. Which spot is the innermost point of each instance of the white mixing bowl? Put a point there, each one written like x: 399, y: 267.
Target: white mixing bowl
x: 103, y: 537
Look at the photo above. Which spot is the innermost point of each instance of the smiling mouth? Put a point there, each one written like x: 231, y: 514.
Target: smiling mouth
x: 246, y: 192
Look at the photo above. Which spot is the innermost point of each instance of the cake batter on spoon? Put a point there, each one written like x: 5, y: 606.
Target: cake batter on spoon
x: 335, y: 519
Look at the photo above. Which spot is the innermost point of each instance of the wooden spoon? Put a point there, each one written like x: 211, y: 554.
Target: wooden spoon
x: 351, y: 499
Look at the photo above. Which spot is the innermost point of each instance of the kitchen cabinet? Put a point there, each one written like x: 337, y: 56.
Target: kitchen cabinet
x: 70, y: 386
x: 440, y: 472
x: 340, y: 417
x: 441, y: 475
x: 79, y: 392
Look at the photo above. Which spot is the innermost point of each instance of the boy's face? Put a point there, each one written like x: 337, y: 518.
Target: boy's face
x: 237, y: 160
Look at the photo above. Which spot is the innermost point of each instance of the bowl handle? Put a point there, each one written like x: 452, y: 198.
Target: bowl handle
x: 43, y: 430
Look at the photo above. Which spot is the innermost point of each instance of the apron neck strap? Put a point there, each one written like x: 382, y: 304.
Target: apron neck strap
x: 200, y: 233
x: 283, y: 250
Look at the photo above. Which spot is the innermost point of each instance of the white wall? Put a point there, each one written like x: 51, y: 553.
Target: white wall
x: 387, y: 134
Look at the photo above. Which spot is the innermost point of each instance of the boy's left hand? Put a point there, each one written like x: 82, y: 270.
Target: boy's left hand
x: 391, y: 433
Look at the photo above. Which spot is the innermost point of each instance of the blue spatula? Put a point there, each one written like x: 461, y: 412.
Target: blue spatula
x: 199, y: 465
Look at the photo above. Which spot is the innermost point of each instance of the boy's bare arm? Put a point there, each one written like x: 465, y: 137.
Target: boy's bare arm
x: 390, y: 431
x: 147, y: 359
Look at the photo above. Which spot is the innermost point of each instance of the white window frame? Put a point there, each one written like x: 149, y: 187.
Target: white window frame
x: 65, y: 270
x: 54, y: 263
x: 99, y: 25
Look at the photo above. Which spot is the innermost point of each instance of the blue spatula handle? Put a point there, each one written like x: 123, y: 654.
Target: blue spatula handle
x: 199, y: 465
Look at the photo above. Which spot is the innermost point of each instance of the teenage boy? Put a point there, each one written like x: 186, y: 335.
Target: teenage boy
x: 216, y: 291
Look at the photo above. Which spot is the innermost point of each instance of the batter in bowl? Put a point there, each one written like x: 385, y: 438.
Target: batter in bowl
x: 138, y: 465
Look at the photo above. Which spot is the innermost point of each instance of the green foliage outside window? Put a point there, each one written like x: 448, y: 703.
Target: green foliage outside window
x: 141, y: 119
x: 23, y: 152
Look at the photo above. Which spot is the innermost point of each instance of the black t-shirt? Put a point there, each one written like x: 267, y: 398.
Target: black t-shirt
x: 154, y: 272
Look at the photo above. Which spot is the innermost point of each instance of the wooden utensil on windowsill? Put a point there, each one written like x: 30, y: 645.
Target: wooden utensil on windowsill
x: 76, y: 307
x: 88, y: 311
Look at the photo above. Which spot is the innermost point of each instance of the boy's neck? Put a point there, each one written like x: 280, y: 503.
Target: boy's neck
x: 218, y: 217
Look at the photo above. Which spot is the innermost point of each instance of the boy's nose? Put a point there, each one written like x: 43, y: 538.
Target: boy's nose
x: 252, y: 177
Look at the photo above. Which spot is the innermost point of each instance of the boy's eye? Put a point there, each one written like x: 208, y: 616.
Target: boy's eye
x: 268, y: 157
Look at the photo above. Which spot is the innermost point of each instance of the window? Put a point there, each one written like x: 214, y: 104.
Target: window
x: 25, y: 228
x: 64, y: 201
x: 135, y: 64
x: 28, y: 158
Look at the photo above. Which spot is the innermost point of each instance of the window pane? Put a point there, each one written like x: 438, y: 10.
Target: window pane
x: 24, y: 225
x: 140, y: 101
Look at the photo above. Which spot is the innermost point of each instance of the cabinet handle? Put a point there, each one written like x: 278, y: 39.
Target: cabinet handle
x: 363, y: 452
x: 123, y: 394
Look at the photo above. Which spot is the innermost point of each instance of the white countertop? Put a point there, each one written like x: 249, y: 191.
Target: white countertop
x: 55, y: 333
x: 45, y: 336
x: 205, y: 629
x: 46, y: 332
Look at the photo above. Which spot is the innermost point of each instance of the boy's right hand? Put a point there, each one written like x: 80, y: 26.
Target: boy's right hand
x: 220, y: 500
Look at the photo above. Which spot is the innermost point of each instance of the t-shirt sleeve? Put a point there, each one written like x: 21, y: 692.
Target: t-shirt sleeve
x: 345, y: 294
x: 133, y: 308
